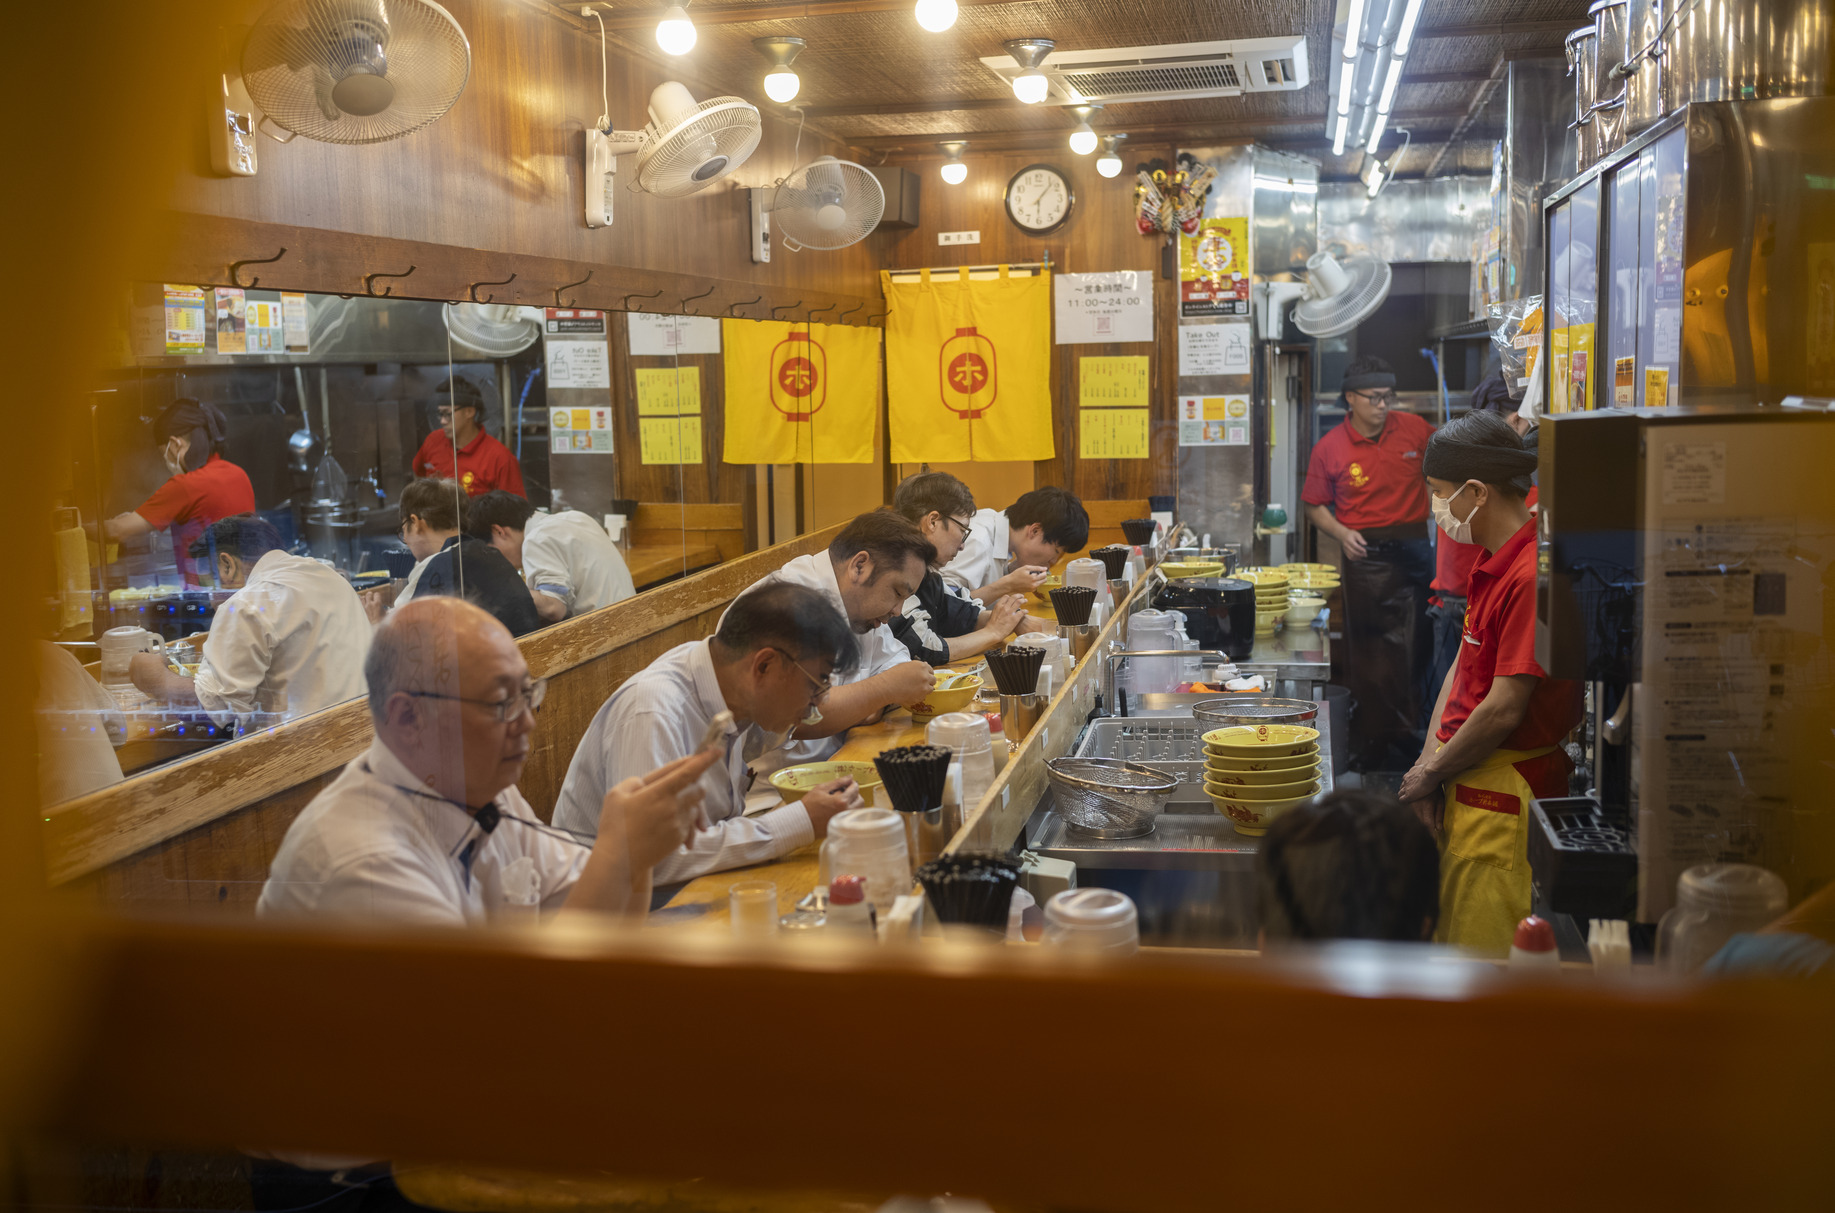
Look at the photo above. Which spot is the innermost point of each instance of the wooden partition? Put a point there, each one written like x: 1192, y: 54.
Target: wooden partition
x: 202, y: 831
x: 722, y: 525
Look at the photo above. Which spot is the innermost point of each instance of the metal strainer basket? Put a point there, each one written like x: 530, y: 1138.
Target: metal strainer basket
x: 1253, y: 709
x: 1107, y: 797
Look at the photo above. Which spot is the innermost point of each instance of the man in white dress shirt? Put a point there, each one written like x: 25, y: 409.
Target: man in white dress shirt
x: 875, y: 563
x: 772, y: 660
x: 290, y: 640
x: 571, y: 564
x: 1011, y: 551
x: 428, y: 827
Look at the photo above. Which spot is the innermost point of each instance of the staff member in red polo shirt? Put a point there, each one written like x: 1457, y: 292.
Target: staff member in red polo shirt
x: 1501, y: 717
x: 483, y: 463
x: 204, y: 488
x: 1363, y: 488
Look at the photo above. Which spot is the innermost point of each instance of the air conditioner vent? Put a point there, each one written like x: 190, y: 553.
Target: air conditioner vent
x: 1170, y: 73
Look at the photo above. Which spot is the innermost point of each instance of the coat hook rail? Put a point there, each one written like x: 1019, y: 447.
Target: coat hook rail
x: 814, y: 312
x: 569, y: 287
x: 733, y: 309
x: 626, y: 306
x: 789, y: 307
x: 879, y: 316
x: 235, y: 268
x: 369, y: 283
x: 691, y: 298
x: 493, y: 295
x: 842, y: 318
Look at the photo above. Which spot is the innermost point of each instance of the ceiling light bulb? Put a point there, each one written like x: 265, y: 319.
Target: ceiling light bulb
x: 936, y: 15
x: 675, y: 33
x: 782, y: 85
x: 1110, y: 164
x: 955, y: 172
x: 1031, y: 86
x: 1083, y: 140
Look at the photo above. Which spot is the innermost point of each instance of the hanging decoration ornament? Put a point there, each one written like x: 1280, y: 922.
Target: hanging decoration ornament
x: 1172, y: 202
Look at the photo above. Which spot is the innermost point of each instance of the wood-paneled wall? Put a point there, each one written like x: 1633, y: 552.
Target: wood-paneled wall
x: 1099, y: 235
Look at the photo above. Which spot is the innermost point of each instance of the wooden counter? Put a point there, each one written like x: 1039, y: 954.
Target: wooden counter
x: 650, y: 563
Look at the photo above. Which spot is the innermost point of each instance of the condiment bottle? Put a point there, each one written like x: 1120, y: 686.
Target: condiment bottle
x: 1534, y: 945
x: 849, y: 911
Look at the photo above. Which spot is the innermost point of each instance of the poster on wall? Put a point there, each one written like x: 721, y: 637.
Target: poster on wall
x: 184, y: 319
x: 296, y: 322
x: 583, y: 431
x: 1214, y: 269
x: 231, y: 309
x: 1115, y: 306
x: 576, y: 352
x: 264, y: 329
x: 1112, y: 433
x: 1214, y: 349
x: 666, y: 336
x: 1214, y: 421
x: 1113, y: 382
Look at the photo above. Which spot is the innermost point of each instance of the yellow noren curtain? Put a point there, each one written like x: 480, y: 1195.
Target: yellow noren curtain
x: 800, y: 393
x: 968, y: 367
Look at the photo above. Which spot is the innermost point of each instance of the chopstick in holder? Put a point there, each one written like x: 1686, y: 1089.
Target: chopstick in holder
x: 1114, y: 558
x: 1073, y: 604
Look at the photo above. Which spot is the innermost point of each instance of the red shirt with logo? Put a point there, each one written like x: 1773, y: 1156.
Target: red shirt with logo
x: 1499, y: 639
x: 190, y: 501
x: 484, y: 463
x: 1371, y: 482
x: 1454, y: 562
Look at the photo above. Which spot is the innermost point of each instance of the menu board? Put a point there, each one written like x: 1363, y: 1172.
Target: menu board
x: 1113, y: 433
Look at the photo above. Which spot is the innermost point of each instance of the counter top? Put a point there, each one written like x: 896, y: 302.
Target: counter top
x: 653, y: 562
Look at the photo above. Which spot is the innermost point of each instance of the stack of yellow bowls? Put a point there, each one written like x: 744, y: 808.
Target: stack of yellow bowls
x: 1270, y: 597
x: 1255, y: 772
x: 1321, y: 577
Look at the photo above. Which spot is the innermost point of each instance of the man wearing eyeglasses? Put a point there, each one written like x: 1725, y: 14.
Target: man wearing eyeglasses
x: 1365, y: 489
x: 769, y: 664
x: 428, y: 827
x: 461, y: 449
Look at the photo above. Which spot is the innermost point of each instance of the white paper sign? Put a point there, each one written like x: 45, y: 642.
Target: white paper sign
x: 1213, y: 421
x: 1115, y: 306
x: 665, y: 335
x: 578, y: 364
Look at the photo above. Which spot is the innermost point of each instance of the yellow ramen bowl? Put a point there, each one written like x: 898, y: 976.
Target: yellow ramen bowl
x: 1177, y: 569
x: 955, y: 699
x: 1262, y: 578
x: 1285, y: 764
x: 1261, y: 793
x: 1253, y: 817
x: 1299, y: 567
x: 1053, y: 581
x: 1261, y: 741
x: 1226, y: 777
x: 797, y: 782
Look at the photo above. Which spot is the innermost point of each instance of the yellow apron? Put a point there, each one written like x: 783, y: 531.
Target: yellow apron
x: 1484, y: 857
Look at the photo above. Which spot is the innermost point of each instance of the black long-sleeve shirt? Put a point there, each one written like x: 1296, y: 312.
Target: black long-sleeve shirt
x: 488, y: 581
x: 936, y: 616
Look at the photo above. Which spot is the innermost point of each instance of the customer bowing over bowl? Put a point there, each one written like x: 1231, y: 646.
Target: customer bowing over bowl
x: 769, y: 664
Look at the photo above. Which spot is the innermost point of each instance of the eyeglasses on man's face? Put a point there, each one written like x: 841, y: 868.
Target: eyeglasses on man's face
x: 957, y: 522
x: 527, y: 699
x: 1374, y: 399
x: 819, y: 687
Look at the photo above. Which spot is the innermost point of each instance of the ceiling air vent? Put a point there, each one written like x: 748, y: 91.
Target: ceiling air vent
x: 1169, y: 73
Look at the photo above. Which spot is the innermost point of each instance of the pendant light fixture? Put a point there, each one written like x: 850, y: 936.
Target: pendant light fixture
x: 1031, y: 85
x: 1109, y: 163
x: 675, y: 33
x: 954, y: 171
x: 936, y: 15
x: 1083, y: 139
x: 781, y: 84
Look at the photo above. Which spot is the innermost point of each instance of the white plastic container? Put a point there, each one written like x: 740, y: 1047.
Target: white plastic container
x: 967, y: 736
x: 1092, y: 920
x: 1715, y: 902
x: 869, y: 843
x: 1153, y: 630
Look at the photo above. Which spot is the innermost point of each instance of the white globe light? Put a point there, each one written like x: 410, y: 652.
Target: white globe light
x: 1031, y: 86
x: 1083, y: 140
x: 781, y: 85
x: 675, y: 33
x: 955, y: 172
x: 936, y: 15
x: 1109, y: 165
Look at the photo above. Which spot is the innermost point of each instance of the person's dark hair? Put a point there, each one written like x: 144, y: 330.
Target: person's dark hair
x: 1349, y: 865
x: 794, y: 618
x: 498, y: 507
x: 889, y: 538
x: 436, y: 502
x: 925, y: 492
x: 1480, y: 446
x: 461, y: 393
x: 1061, y: 517
x: 202, y: 424
x: 248, y: 537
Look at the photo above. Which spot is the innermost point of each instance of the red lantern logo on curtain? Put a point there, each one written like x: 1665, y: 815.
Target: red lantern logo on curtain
x: 799, y: 375
x: 970, y: 376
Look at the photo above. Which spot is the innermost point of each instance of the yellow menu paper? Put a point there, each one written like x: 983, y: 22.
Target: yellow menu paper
x: 1113, y: 382
x: 669, y: 392
x: 669, y: 439
x: 1112, y: 433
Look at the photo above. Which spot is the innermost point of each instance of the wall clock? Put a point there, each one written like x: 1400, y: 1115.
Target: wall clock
x: 1039, y: 199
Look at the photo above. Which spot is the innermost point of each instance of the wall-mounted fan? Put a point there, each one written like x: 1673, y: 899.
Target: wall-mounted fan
x: 1338, y: 295
x: 826, y: 204
x: 355, y: 71
x: 686, y: 146
x: 492, y: 330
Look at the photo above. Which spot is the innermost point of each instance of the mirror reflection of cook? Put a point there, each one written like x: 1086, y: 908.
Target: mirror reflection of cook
x: 292, y: 638
x: 203, y: 488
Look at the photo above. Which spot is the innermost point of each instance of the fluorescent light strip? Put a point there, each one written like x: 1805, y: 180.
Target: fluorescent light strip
x: 1405, y: 34
x: 1344, y: 124
x: 1376, y: 132
x: 1394, y: 78
x: 1353, y: 28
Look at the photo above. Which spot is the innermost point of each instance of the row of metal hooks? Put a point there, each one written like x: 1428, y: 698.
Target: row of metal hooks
x: 369, y: 288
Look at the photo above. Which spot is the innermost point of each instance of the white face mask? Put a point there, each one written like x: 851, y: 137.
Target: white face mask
x: 174, y: 464
x: 1457, y: 531
x: 813, y: 718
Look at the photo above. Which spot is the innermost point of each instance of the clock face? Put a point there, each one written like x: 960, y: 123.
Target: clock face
x: 1039, y: 198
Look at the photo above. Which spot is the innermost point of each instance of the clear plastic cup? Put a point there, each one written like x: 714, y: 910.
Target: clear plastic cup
x: 1092, y: 920
x: 754, y: 908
